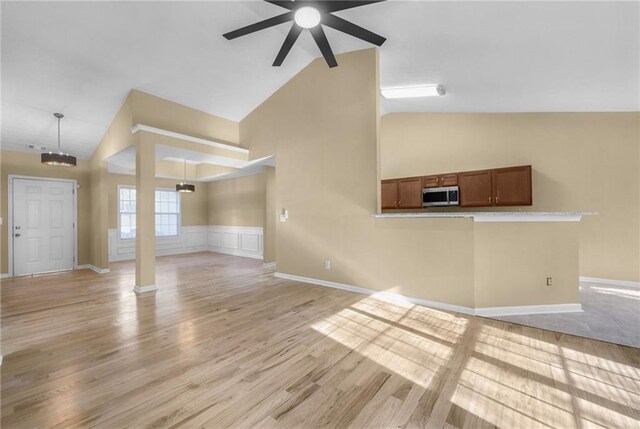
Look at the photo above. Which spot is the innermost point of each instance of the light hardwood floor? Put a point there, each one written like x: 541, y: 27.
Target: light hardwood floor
x: 225, y: 344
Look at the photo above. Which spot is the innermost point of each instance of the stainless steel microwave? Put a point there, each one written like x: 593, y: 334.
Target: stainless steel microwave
x: 435, y: 197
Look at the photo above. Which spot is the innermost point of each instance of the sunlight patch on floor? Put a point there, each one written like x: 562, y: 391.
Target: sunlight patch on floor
x: 376, y: 329
x: 484, y: 390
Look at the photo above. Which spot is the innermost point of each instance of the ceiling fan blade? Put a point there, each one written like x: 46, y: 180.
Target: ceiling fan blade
x: 321, y: 40
x: 271, y: 22
x: 287, y: 4
x: 350, y: 28
x: 288, y: 44
x: 336, y: 5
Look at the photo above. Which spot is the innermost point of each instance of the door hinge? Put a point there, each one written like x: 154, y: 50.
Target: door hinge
x: 73, y: 191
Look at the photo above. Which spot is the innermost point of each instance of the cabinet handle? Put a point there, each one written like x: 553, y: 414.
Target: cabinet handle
x: 497, y: 198
x: 489, y: 200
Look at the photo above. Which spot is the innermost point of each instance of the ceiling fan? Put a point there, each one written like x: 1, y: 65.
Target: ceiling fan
x: 312, y: 15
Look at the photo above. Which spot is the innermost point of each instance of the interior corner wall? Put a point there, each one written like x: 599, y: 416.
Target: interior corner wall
x: 581, y: 162
x: 270, y: 216
x: 322, y: 126
x: 237, y: 202
x: 27, y: 164
x: 158, y: 112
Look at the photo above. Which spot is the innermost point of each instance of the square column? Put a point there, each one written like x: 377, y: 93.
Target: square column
x: 145, y: 216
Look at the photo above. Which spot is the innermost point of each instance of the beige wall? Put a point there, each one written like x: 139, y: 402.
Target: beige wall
x: 237, y: 202
x: 26, y: 164
x: 323, y: 127
x: 168, y: 115
x: 581, y: 162
x: 513, y: 260
x: 270, y: 216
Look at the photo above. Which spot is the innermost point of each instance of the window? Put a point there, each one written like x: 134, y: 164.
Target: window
x: 167, y: 212
x: 127, y: 211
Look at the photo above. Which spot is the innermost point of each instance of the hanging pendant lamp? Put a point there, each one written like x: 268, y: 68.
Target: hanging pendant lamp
x: 59, y: 159
x: 184, y: 186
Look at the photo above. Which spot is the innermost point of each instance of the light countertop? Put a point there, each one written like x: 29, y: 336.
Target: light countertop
x: 494, y: 216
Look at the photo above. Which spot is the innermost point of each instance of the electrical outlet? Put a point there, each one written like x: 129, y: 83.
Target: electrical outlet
x: 327, y: 264
x: 549, y: 281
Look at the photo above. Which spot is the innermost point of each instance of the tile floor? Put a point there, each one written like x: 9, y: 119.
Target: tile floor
x: 611, y: 313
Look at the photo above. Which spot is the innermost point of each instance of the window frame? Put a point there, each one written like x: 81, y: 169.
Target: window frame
x: 158, y: 238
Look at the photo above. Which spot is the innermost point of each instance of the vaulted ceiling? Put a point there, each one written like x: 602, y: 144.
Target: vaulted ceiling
x: 82, y: 58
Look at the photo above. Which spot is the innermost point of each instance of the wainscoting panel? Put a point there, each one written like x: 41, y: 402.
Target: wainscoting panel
x: 234, y: 240
x: 231, y: 240
x: 191, y: 239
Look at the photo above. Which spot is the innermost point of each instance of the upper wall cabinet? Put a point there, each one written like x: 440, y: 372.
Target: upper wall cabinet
x: 483, y: 188
x: 389, y: 197
x: 439, y: 181
x: 410, y: 193
x: 475, y: 188
x: 512, y: 186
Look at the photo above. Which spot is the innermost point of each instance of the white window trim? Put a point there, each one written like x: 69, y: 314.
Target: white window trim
x: 164, y: 238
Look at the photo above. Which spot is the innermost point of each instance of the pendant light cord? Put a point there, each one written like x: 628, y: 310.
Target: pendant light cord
x: 59, y: 151
x: 185, y: 170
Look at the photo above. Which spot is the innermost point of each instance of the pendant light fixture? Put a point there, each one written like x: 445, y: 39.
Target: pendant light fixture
x: 184, y: 186
x: 59, y: 159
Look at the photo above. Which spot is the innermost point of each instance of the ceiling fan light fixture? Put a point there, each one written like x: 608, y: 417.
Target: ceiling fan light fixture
x: 307, y: 17
x: 413, y: 91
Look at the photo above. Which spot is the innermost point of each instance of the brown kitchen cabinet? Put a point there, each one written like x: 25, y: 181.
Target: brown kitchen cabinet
x: 410, y: 193
x: 389, y: 194
x: 475, y: 188
x: 512, y: 186
x: 450, y: 179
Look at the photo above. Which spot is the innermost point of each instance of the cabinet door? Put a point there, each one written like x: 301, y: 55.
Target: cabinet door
x: 475, y: 188
x: 410, y: 193
x: 512, y: 186
x: 389, y: 189
x: 430, y: 182
x: 449, y: 180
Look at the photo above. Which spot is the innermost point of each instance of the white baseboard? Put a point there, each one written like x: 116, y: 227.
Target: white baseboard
x: 271, y: 265
x: 234, y: 253
x: 5, y: 275
x: 0, y: 360
x: 144, y: 289
x: 487, y: 312
x: 625, y: 283
x: 528, y: 309
x: 93, y: 267
x: 390, y: 295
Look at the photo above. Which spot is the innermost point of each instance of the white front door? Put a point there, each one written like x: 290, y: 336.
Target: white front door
x: 43, y: 226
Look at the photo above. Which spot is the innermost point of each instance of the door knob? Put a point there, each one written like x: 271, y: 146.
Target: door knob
x: 17, y: 234
x: 17, y: 227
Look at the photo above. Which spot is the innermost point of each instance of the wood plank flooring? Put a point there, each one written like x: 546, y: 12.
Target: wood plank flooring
x: 225, y: 344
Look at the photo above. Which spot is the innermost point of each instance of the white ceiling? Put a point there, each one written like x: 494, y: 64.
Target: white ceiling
x: 82, y: 58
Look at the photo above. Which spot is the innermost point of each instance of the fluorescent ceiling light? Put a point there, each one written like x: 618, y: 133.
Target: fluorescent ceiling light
x: 413, y: 91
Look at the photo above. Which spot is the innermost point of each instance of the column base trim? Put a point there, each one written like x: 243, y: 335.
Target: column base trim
x: 93, y: 267
x: 144, y: 289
